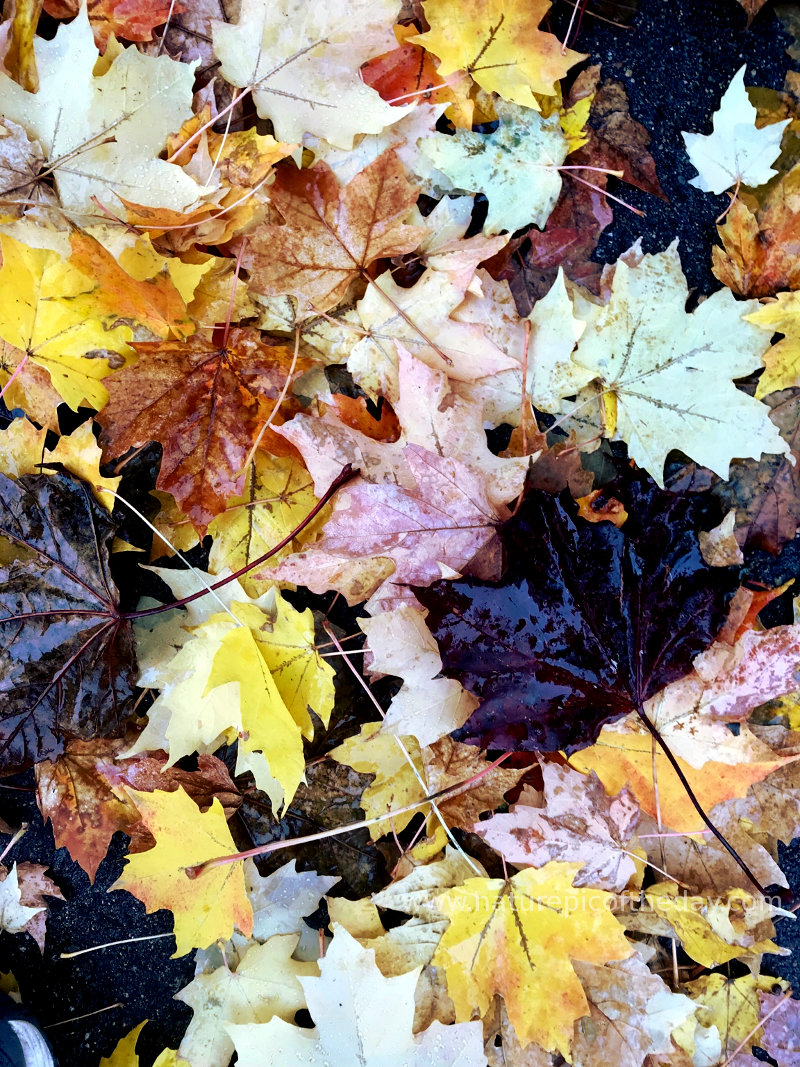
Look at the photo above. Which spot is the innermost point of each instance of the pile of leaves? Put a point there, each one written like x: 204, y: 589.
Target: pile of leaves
x: 318, y: 399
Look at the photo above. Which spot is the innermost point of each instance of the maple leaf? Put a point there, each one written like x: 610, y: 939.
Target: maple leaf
x: 516, y: 166
x: 21, y: 160
x: 59, y: 599
x: 518, y: 938
x: 579, y: 822
x: 303, y: 67
x: 499, y: 44
x: 445, y: 248
x: 46, y: 322
x: 264, y: 984
x: 736, y: 153
x: 124, y: 1054
x: 381, y: 538
x: 732, y: 1005
x: 283, y: 898
x: 431, y: 320
x: 14, y: 915
x: 331, y: 234
x: 207, y: 907
x: 766, y: 495
x: 206, y: 403
x: 632, y: 1013
x: 755, y: 259
x: 658, y: 393
x: 103, y: 134
x: 132, y: 20
x: 83, y: 794
x: 712, y: 931
x: 430, y: 415
x: 782, y: 360
x: 427, y: 707
x: 567, y: 640
x: 360, y: 1017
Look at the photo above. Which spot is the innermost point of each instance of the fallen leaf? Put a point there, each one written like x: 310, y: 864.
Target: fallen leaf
x: 579, y: 823
x: 14, y: 915
x: 552, y: 662
x: 132, y: 20
x: 516, y: 167
x: 518, y: 938
x: 59, y: 599
x: 206, y: 403
x: 264, y: 984
x: 499, y: 45
x: 732, y: 1005
x: 780, y: 1039
x: 281, y: 899
x: 331, y: 234
x: 304, y: 72
x: 657, y: 394
x: 736, y: 153
x: 118, y: 121
x: 207, y: 907
x: 359, y: 1015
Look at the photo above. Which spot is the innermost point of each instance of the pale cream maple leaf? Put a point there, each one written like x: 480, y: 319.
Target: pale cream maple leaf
x: 362, y: 1019
x: 14, y: 915
x: 302, y: 62
x: 737, y: 152
x: 516, y: 166
x: 103, y: 134
x: 662, y: 379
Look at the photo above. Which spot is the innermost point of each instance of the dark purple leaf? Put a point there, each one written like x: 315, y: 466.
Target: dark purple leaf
x: 588, y: 622
x: 66, y: 658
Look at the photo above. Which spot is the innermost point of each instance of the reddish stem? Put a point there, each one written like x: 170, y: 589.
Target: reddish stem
x: 347, y: 474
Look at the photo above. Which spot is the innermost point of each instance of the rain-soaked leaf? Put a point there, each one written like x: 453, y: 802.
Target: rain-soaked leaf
x: 66, y: 657
x: 588, y: 621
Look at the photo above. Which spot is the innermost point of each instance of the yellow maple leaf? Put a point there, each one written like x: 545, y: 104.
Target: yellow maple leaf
x: 518, y: 937
x: 205, y: 908
x: 713, y: 931
x: 500, y: 44
x: 782, y: 361
x: 124, y: 1055
x: 41, y: 315
x: 273, y: 658
x: 621, y: 759
x: 277, y: 495
x: 732, y: 1005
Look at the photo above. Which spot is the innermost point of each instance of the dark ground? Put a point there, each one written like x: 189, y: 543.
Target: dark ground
x: 676, y: 62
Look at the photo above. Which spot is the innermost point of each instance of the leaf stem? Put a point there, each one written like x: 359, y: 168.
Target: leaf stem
x: 695, y: 802
x: 346, y: 475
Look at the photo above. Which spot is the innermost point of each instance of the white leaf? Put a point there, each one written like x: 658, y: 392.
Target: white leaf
x: 736, y: 152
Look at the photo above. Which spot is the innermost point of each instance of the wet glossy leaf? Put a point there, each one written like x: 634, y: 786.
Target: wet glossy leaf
x: 67, y: 660
x: 588, y: 622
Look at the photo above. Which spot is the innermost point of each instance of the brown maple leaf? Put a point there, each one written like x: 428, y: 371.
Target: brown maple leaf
x: 330, y: 234
x: 206, y: 403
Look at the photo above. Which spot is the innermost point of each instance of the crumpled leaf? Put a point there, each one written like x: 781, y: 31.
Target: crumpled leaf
x: 331, y: 234
x: 128, y: 111
x: 361, y: 1018
x: 518, y: 937
x: 658, y: 394
x: 205, y: 403
x: 712, y: 931
x: 68, y: 658
x: 516, y: 166
x: 499, y: 44
x: 736, y: 153
x: 732, y: 1005
x: 264, y: 984
x: 304, y: 65
x: 207, y: 907
x: 578, y: 822
x: 568, y: 641
x: 21, y: 159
